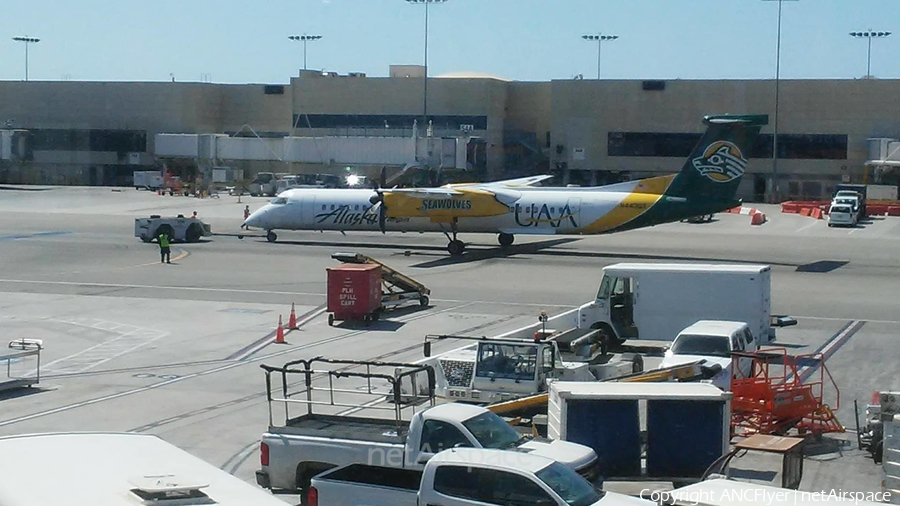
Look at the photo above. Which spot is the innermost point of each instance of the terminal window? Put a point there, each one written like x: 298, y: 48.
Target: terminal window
x: 450, y: 122
x: 680, y: 145
x: 119, y: 141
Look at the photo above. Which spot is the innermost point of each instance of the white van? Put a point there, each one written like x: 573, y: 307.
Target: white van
x: 841, y: 214
x: 712, y: 341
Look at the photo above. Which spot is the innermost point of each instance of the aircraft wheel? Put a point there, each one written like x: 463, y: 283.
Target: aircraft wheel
x: 456, y: 247
x: 506, y: 239
x: 271, y: 236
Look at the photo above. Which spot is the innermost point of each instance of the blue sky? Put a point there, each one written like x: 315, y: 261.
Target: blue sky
x: 527, y: 40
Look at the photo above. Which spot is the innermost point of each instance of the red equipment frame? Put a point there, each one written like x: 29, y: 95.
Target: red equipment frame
x: 782, y: 392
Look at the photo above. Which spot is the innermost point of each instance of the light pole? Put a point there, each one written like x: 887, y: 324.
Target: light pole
x: 599, y: 39
x: 775, y: 189
x: 304, y: 38
x: 869, y: 35
x: 26, y: 40
x: 425, y: 85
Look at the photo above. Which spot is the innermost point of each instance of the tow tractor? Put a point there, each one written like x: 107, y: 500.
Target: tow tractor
x: 177, y: 229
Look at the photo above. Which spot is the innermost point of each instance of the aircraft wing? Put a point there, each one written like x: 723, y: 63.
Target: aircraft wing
x: 522, y: 181
x: 425, y: 192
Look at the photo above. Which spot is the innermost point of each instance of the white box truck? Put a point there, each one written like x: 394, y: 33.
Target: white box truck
x: 149, y: 179
x: 656, y: 301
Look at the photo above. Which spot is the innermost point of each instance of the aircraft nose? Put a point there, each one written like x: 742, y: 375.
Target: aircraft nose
x: 257, y: 218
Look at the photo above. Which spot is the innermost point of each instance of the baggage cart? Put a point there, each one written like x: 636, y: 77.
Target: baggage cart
x: 354, y: 292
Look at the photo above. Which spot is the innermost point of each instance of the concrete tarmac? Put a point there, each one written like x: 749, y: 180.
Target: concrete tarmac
x: 174, y: 350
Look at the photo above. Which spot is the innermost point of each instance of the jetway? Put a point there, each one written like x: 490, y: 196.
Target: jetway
x: 446, y: 152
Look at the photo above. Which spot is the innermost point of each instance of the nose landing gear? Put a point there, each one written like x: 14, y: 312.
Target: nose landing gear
x: 456, y: 247
x: 271, y: 236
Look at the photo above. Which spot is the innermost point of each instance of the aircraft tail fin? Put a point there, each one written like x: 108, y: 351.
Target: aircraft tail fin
x: 714, y: 169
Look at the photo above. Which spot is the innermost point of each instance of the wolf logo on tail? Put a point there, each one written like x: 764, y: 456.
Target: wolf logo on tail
x: 722, y: 162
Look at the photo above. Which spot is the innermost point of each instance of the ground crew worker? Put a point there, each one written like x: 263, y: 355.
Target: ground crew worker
x: 164, y: 248
x: 246, y: 215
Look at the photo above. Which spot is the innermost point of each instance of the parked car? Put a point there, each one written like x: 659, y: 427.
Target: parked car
x: 851, y: 200
x: 712, y: 341
x: 841, y: 214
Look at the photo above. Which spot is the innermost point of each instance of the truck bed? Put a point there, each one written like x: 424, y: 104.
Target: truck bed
x: 377, y: 486
x: 344, y: 427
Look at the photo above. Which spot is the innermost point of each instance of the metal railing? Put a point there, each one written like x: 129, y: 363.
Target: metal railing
x: 398, y: 400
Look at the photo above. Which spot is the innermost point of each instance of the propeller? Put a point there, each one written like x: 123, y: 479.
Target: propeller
x: 378, y: 198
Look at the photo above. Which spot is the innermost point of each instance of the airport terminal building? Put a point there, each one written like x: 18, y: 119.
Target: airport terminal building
x: 584, y: 131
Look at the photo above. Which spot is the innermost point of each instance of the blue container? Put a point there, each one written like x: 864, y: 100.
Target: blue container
x: 612, y: 428
x: 683, y: 437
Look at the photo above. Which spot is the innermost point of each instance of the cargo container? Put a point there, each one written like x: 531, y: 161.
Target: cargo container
x: 688, y: 426
x: 354, y: 292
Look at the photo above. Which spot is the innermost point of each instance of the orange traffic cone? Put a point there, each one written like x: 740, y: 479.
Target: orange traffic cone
x: 292, y: 320
x: 279, y: 332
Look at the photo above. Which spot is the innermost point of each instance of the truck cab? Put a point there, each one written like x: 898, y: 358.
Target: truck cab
x: 463, y: 477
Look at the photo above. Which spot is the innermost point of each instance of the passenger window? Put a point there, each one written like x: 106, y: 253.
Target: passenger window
x: 619, y: 287
x: 356, y: 208
x: 510, y: 489
x: 332, y: 207
x: 547, y: 357
x: 605, y: 286
x: 489, y: 486
x: 552, y: 209
x: 438, y: 436
x: 456, y: 481
x: 323, y: 207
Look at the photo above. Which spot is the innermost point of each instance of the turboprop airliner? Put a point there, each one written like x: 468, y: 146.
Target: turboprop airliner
x: 706, y: 184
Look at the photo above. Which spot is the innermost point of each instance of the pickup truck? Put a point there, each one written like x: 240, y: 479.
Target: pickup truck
x: 309, y: 444
x: 461, y: 477
x: 304, y: 446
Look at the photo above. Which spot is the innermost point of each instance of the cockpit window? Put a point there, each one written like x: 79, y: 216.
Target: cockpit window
x: 279, y: 200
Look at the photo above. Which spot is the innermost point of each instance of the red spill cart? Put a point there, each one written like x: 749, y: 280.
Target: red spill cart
x: 354, y: 292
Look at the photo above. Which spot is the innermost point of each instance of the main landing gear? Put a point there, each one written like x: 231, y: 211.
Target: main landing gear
x: 505, y: 239
x: 271, y: 236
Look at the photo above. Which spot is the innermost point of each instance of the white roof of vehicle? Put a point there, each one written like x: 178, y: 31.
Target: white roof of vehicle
x: 455, y: 411
x: 604, y: 390
x: 101, y: 469
x: 632, y: 267
x: 713, y: 328
x: 495, y: 459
